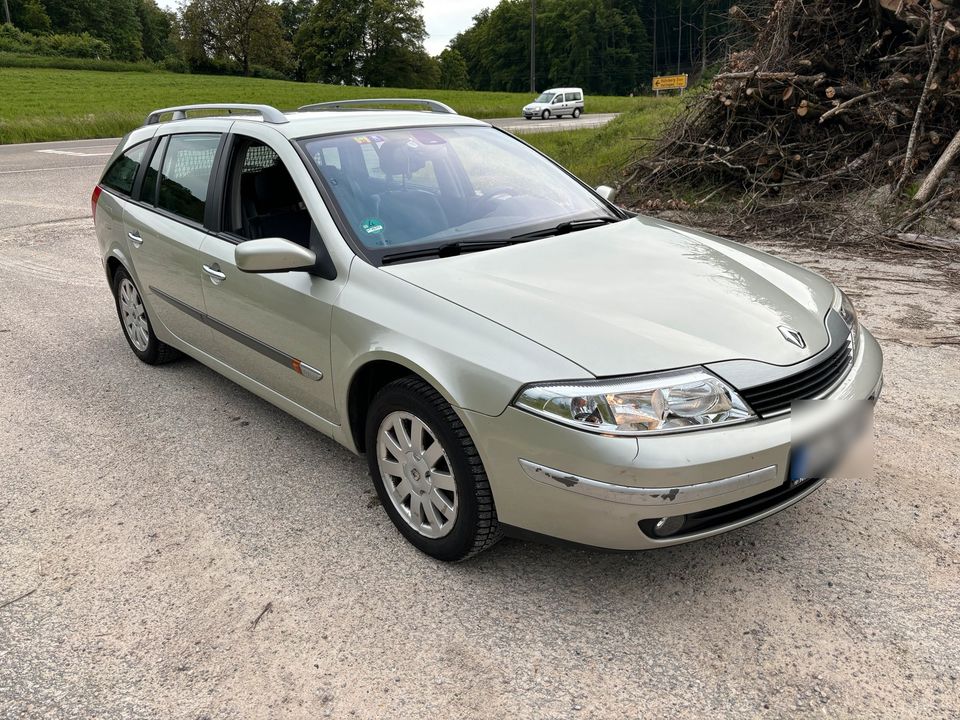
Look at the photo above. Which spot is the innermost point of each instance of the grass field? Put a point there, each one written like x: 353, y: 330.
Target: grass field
x: 600, y: 156
x: 51, y: 104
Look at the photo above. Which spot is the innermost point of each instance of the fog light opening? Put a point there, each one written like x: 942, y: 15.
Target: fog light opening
x: 665, y: 527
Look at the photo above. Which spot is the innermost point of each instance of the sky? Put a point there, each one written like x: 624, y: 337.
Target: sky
x: 444, y: 18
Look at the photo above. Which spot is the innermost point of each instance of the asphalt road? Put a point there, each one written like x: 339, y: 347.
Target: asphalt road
x: 520, y: 126
x: 149, y: 516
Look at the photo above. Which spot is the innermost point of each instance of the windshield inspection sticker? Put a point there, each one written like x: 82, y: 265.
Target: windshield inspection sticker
x: 372, y: 226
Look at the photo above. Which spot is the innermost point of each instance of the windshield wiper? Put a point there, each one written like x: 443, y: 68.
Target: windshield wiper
x: 446, y: 250
x: 461, y: 246
x: 568, y: 227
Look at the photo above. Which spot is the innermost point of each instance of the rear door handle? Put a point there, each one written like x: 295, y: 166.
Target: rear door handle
x: 214, y: 273
x: 135, y: 238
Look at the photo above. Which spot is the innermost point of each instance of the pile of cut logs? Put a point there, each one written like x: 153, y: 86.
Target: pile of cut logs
x: 829, y: 94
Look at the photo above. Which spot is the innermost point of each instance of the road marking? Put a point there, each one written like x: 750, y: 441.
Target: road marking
x: 71, y: 152
x: 49, y: 169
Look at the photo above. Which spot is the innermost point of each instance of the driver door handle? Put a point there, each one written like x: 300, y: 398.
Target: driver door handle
x: 214, y: 273
x: 135, y: 238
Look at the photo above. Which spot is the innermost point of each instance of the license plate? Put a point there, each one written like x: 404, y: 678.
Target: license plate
x: 798, y: 465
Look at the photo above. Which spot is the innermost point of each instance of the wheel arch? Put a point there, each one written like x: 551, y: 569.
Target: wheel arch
x: 369, y: 377
x: 114, y: 260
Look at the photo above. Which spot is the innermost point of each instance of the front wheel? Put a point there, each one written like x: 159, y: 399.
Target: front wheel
x: 576, y: 113
x: 427, y: 472
x: 545, y: 115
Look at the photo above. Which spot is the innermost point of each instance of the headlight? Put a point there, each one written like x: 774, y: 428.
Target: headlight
x: 844, y: 306
x: 660, y: 402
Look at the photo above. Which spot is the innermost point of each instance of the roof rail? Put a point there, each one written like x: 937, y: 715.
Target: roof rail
x: 270, y: 114
x: 432, y: 105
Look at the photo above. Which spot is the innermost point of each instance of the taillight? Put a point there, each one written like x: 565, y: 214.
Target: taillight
x: 93, y: 200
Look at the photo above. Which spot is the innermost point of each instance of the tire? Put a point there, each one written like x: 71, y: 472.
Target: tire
x: 545, y: 115
x: 470, y: 519
x: 576, y: 113
x: 135, y: 322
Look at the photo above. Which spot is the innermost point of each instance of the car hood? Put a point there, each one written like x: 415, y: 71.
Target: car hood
x: 638, y: 296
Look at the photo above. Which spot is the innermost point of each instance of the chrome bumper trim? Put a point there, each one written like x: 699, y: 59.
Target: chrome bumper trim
x: 648, y: 496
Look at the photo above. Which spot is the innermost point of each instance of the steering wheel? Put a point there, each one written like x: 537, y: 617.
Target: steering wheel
x: 496, y: 195
x: 501, y: 190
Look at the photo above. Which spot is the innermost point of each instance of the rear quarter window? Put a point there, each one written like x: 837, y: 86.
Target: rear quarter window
x: 185, y: 176
x: 121, y: 175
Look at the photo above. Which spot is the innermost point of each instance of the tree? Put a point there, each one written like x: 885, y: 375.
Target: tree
x: 293, y: 13
x: 245, y: 32
x: 113, y: 21
x: 331, y: 43
x: 366, y: 42
x: 28, y: 15
x: 394, y: 44
x: 453, y: 70
x: 157, y: 30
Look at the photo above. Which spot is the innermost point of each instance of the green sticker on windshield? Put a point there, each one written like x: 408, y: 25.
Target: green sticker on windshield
x: 372, y: 226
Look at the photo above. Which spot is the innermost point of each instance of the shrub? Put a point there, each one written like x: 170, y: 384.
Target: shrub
x: 85, y: 45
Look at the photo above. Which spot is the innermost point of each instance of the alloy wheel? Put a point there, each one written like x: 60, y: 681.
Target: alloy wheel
x: 417, y: 474
x: 134, y: 315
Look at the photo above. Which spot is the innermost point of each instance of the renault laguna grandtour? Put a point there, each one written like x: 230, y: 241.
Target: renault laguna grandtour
x: 511, y: 352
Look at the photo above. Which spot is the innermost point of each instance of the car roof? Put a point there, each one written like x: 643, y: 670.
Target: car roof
x: 329, y: 122
x: 351, y: 116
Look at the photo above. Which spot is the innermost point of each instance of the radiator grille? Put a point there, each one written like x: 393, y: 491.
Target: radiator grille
x: 775, y: 397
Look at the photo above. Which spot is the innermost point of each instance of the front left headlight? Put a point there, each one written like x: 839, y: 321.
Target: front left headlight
x: 659, y: 402
x: 843, y: 305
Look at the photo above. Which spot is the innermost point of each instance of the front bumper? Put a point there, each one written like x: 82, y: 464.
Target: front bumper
x: 552, y: 480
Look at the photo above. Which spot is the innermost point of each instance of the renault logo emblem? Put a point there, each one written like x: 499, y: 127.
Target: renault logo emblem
x: 792, y: 336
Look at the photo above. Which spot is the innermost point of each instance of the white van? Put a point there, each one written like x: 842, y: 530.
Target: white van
x: 556, y: 103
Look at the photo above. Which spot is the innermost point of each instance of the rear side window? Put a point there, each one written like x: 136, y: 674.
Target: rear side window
x: 185, y: 175
x: 121, y: 175
x: 575, y: 97
x: 148, y: 193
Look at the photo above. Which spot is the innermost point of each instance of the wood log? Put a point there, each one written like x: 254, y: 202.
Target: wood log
x: 936, y: 50
x: 842, y: 92
x: 807, y: 109
x: 927, y: 242
x: 832, y: 112
x: 899, y: 81
x: 775, y: 76
x: 930, y: 183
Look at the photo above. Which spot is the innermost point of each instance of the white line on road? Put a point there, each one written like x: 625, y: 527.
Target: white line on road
x: 70, y: 152
x: 50, y: 169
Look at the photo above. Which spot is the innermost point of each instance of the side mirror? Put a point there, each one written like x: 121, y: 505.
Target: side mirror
x: 606, y: 192
x: 273, y: 255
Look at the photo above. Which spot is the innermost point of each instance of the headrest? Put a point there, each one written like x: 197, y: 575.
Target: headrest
x: 275, y: 187
x: 398, y: 158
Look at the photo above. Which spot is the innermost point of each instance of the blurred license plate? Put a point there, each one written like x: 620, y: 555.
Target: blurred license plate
x: 830, y: 431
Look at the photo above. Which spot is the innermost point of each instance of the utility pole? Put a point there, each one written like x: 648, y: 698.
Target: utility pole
x: 533, y: 45
x: 679, y: 33
x: 655, y: 3
x: 703, y: 41
x: 6, y: 12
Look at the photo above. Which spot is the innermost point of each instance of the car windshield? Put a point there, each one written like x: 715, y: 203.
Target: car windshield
x: 544, y: 98
x: 417, y: 188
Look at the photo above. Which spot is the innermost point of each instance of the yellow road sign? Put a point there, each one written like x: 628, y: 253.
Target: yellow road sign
x: 670, y: 82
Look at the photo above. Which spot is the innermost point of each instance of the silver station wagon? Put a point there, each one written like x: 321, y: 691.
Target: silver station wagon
x: 513, y: 353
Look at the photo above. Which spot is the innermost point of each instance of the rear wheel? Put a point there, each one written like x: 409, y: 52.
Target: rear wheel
x: 545, y: 115
x: 427, y: 472
x: 136, y: 323
x: 576, y: 113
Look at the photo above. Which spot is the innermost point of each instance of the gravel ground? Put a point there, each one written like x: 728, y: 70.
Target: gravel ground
x: 154, y: 514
